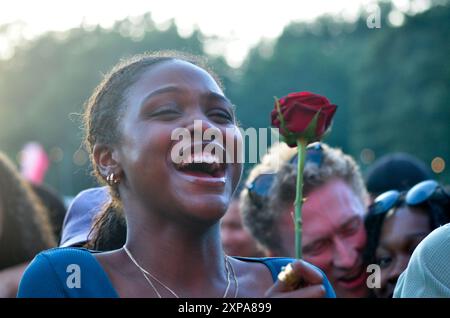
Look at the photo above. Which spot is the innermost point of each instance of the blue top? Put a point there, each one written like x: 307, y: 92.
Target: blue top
x: 75, y: 272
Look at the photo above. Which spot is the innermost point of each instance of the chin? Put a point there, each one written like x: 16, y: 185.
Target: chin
x: 208, y: 208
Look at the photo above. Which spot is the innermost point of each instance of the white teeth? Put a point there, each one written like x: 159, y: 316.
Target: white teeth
x: 208, y: 158
x: 198, y: 158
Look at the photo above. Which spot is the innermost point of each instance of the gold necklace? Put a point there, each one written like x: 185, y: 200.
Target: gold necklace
x: 146, y: 273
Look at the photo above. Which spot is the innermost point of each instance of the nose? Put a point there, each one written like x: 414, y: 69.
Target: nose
x: 345, y: 256
x: 198, y: 123
x: 203, y: 131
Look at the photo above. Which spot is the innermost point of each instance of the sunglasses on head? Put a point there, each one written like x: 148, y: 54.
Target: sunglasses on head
x: 258, y: 189
x: 425, y: 191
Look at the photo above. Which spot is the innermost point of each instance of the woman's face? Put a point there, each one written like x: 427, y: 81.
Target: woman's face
x: 400, y: 234
x: 170, y: 96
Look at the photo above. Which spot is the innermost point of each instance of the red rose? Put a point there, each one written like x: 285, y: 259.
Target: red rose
x: 298, y: 111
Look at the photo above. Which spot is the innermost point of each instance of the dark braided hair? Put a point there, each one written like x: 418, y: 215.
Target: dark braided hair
x: 25, y: 228
x: 102, y: 116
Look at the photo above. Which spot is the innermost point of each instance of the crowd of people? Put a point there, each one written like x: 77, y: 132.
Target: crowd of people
x: 155, y: 228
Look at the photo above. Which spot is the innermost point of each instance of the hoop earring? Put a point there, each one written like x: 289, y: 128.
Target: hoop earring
x: 112, y: 179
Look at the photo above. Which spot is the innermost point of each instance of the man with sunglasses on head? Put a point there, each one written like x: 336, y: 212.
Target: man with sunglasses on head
x: 333, y: 212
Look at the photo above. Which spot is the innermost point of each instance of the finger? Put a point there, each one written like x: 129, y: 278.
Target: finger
x: 302, y: 274
x: 309, y: 274
x: 313, y: 291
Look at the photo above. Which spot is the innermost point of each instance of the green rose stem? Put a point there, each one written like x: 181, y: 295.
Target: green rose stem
x: 302, y: 142
x: 301, y: 138
x: 301, y: 150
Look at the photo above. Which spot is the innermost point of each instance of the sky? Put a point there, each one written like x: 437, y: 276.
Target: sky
x: 240, y: 23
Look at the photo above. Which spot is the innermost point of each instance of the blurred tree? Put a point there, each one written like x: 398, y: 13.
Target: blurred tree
x: 44, y: 86
x: 391, y: 84
x: 401, y: 98
x: 320, y: 57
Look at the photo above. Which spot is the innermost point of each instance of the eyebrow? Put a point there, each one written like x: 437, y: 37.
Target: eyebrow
x: 175, y: 89
x: 160, y: 91
x: 213, y: 95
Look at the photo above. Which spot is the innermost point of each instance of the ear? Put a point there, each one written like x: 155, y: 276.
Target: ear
x: 106, y: 159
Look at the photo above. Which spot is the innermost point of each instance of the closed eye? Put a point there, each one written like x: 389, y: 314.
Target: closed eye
x: 165, y: 113
x: 221, y: 116
x: 316, y: 247
x: 351, y: 227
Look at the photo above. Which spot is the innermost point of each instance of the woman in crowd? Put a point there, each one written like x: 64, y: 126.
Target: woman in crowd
x: 24, y: 227
x: 396, y: 223
x: 172, y: 208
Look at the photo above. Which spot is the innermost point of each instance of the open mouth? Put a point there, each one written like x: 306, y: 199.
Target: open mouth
x: 202, y: 165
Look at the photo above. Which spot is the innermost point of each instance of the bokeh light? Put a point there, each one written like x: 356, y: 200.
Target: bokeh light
x: 367, y: 156
x: 56, y: 154
x: 438, y: 165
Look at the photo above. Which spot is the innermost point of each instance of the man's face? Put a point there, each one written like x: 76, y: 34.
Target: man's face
x: 333, y: 236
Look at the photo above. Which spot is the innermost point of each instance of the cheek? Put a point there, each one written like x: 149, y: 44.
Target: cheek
x: 359, y: 239
x: 144, y: 150
x: 363, y: 237
x: 383, y: 277
x: 235, y: 154
x: 323, y: 261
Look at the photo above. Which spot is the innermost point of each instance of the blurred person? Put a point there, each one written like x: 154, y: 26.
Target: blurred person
x: 236, y: 238
x: 172, y: 210
x: 428, y: 272
x: 396, y: 223
x: 54, y: 205
x: 25, y: 229
x: 81, y: 215
x: 34, y: 162
x: 396, y: 171
x: 333, y: 236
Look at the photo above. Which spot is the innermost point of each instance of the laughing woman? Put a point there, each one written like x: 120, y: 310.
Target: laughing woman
x: 172, y: 211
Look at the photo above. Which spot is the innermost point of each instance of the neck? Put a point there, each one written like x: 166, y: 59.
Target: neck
x: 184, y: 256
